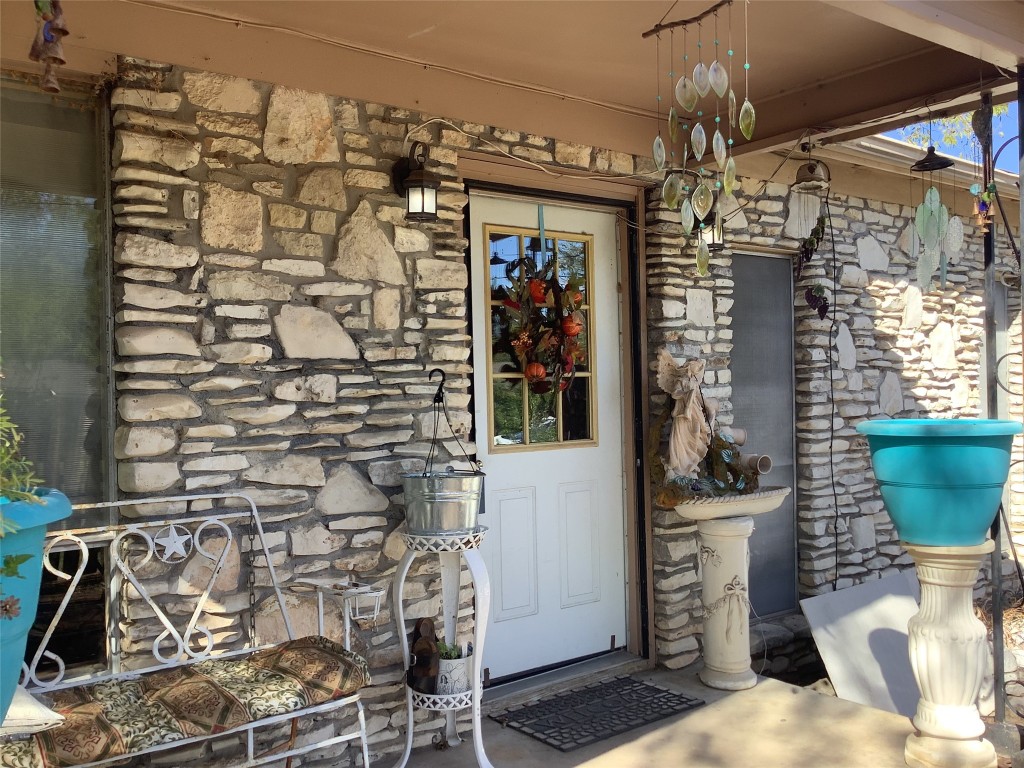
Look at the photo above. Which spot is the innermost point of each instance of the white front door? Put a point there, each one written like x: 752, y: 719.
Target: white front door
x: 551, y: 447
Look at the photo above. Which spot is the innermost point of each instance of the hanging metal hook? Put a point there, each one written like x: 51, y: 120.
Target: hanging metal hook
x: 439, y: 395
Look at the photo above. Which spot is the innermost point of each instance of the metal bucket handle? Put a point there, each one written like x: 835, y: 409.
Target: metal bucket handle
x: 441, y: 407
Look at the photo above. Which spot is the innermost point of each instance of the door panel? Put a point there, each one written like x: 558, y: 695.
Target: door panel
x: 581, y: 552
x: 554, y: 493
x: 514, y: 539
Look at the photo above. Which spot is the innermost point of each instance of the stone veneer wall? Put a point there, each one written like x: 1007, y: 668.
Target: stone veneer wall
x: 277, y: 318
x: 896, y: 351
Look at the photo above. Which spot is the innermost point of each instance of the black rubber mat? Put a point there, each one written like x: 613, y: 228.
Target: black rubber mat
x: 574, y: 719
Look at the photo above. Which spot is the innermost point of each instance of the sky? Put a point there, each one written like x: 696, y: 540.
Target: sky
x: 1004, y: 127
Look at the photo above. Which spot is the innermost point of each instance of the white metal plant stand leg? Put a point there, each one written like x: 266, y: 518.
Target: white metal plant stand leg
x: 724, y: 557
x: 451, y: 549
x: 949, y: 656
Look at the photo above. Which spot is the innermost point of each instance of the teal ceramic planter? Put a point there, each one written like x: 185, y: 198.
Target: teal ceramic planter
x: 21, y: 568
x: 941, y: 479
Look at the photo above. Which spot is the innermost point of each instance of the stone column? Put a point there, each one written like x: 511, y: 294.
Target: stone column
x: 724, y: 558
x: 949, y: 658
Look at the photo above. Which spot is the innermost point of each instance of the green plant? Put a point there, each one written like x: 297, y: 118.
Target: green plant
x: 452, y: 651
x: 17, y: 478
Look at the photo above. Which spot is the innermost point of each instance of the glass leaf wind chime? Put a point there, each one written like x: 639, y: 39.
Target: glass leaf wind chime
x: 936, y: 236
x: 694, y: 204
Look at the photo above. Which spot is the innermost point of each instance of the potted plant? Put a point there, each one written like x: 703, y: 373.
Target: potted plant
x: 941, y: 479
x: 25, y: 511
x: 453, y: 676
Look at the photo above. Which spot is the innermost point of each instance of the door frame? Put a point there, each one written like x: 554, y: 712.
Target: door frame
x: 488, y: 174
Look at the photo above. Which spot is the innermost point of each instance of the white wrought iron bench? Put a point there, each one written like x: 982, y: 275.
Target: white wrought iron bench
x: 185, y: 663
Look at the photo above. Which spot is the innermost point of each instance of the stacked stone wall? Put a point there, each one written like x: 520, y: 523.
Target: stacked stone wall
x: 277, y: 318
x: 895, y: 350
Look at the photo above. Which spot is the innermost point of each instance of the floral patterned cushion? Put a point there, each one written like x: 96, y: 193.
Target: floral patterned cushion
x: 114, y: 718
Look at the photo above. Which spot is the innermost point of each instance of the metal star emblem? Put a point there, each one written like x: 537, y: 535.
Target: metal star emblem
x: 176, y: 542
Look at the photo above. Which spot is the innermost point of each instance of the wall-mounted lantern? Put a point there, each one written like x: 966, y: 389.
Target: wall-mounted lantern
x: 418, y: 185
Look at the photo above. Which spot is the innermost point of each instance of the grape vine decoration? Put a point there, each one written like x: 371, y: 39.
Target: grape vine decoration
x: 815, y: 295
x: 816, y: 299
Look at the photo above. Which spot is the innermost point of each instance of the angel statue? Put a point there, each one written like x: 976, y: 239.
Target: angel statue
x: 691, y: 426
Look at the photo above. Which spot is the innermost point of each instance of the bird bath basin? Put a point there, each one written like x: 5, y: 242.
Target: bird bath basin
x: 725, y: 524
x: 755, y: 503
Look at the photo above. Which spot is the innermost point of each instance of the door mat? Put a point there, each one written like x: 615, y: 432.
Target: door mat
x: 576, y: 718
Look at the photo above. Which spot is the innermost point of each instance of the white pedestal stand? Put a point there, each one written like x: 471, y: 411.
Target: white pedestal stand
x: 725, y: 524
x: 724, y: 557
x: 949, y: 658
x: 451, y: 549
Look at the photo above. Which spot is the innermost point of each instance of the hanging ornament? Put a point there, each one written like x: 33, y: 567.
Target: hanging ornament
x: 658, y: 148
x: 686, y: 216
x: 670, y: 191
x: 702, y: 200
x: 747, y: 118
x: 673, y: 125
x: 659, y: 153
x: 700, y: 79
x: 703, y: 257
x: 686, y: 94
x: 718, y: 147
x: 729, y: 177
x: 700, y: 72
x: 47, y: 46
x: 954, y: 236
x: 718, y: 78
x: 698, y: 142
x: 747, y: 115
x: 732, y: 109
x: 717, y: 75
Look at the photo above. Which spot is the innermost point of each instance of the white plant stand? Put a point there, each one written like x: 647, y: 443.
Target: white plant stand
x: 949, y: 657
x: 451, y: 550
x: 725, y: 525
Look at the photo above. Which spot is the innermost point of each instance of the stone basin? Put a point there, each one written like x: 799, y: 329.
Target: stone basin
x: 756, y: 503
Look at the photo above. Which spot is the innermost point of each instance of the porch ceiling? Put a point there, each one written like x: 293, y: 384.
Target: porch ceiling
x: 568, y: 68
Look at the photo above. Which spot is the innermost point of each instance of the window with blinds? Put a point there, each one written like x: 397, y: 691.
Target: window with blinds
x: 54, y: 286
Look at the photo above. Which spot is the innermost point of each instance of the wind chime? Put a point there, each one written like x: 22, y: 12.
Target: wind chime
x: 47, y: 46
x: 937, y: 236
x: 982, y: 191
x: 697, y: 204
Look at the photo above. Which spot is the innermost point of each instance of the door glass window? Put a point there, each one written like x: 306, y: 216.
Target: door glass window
x: 540, y: 342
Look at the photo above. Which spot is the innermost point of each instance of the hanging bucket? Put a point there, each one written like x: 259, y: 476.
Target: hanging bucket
x: 442, y: 502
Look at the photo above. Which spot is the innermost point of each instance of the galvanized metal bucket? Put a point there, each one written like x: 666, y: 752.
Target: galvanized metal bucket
x: 442, y: 502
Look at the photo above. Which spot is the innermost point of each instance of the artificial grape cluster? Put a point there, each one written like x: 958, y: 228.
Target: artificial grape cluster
x: 816, y: 299
x: 810, y: 245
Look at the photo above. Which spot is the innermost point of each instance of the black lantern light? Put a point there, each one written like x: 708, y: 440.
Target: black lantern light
x: 418, y: 185
x: 711, y: 229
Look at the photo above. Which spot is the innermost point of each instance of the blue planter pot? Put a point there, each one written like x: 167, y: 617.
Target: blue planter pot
x: 21, y: 567
x: 941, y: 480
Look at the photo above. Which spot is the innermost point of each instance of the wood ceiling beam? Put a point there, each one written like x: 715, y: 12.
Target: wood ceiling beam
x: 983, y: 29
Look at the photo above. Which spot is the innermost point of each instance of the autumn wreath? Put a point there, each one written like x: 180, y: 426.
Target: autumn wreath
x: 544, y: 325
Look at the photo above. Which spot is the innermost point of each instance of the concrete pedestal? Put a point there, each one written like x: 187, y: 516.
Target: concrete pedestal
x: 724, y: 558
x: 949, y: 659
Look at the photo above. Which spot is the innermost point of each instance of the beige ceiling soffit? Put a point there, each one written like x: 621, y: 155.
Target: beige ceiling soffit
x: 479, y: 166
x: 987, y: 30
x: 358, y: 48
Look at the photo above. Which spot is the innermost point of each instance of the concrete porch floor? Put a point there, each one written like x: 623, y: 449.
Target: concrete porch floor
x: 773, y: 725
